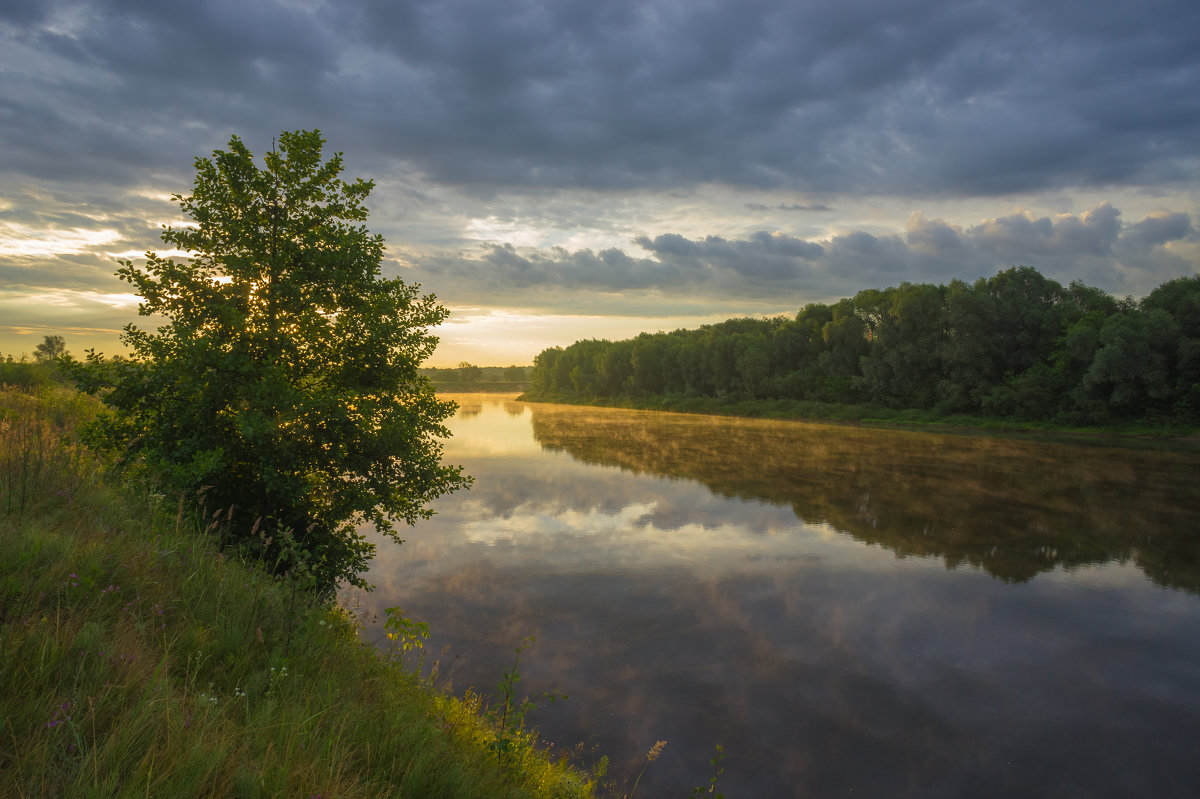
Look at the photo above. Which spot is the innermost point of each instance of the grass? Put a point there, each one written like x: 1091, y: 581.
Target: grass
x: 139, y: 660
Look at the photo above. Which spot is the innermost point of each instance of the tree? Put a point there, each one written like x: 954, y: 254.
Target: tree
x: 51, y: 348
x: 545, y: 371
x: 645, y: 361
x: 1130, y: 372
x: 284, y: 382
x: 469, y: 372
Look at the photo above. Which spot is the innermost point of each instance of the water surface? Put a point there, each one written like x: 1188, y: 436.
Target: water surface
x: 849, y: 612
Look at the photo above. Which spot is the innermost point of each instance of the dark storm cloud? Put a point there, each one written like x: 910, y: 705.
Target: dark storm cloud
x: 890, y: 96
x: 1095, y: 246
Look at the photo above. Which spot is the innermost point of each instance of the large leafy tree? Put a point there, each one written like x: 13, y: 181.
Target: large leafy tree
x: 283, y: 384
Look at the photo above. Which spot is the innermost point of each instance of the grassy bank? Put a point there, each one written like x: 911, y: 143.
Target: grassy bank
x: 138, y: 660
x: 876, y: 416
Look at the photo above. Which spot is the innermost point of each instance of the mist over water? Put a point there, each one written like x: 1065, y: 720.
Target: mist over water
x: 846, y: 611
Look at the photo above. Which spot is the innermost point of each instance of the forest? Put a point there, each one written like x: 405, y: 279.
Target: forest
x: 1016, y: 346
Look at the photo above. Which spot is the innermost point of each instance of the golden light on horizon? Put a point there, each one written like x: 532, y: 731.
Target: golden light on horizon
x: 22, y: 240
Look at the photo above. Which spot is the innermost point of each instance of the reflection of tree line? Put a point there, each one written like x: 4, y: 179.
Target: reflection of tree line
x: 470, y: 405
x: 1012, y: 508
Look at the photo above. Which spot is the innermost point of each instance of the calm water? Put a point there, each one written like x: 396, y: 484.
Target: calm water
x: 849, y: 612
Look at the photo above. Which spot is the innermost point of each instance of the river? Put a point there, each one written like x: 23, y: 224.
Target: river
x: 846, y: 611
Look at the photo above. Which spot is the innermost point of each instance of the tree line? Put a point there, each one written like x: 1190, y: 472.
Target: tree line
x: 1016, y: 345
x: 468, y: 375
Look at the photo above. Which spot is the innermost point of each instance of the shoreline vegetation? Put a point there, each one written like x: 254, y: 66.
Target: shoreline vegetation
x: 888, y: 418
x: 1014, y: 352
x: 140, y: 658
x: 468, y: 378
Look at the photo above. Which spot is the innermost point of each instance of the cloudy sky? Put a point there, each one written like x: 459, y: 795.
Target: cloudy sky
x: 563, y: 169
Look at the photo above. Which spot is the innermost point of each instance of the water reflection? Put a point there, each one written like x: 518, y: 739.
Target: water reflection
x: 706, y: 580
x: 1014, y: 508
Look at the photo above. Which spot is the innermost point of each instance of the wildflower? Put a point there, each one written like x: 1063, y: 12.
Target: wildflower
x: 61, y: 715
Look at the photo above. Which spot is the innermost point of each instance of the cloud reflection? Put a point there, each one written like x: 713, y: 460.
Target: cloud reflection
x: 703, y: 610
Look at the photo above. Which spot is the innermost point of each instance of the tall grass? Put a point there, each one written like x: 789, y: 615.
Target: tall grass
x: 39, y: 454
x: 139, y: 660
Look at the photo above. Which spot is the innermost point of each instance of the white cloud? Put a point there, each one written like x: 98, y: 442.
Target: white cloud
x: 29, y: 241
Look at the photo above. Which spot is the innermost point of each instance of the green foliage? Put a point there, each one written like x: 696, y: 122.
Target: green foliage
x: 44, y: 371
x: 1129, y: 375
x: 718, y: 770
x: 285, y: 378
x: 25, y: 375
x: 404, y: 636
x: 508, y: 717
x: 1014, y: 346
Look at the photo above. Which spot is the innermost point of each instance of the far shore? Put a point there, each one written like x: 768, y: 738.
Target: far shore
x: 875, y: 416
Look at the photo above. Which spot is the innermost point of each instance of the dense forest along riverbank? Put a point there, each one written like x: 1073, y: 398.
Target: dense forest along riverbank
x: 845, y: 610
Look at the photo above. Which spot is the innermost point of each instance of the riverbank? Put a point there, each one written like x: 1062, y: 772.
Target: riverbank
x: 881, y: 417
x: 140, y: 660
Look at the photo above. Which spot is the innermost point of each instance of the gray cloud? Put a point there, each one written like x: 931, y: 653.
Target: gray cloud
x: 585, y: 123
x: 1159, y: 229
x: 772, y: 268
x: 1093, y: 233
x: 918, y: 96
x: 788, y: 207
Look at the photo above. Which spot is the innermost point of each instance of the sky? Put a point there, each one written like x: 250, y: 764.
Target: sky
x: 562, y: 169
